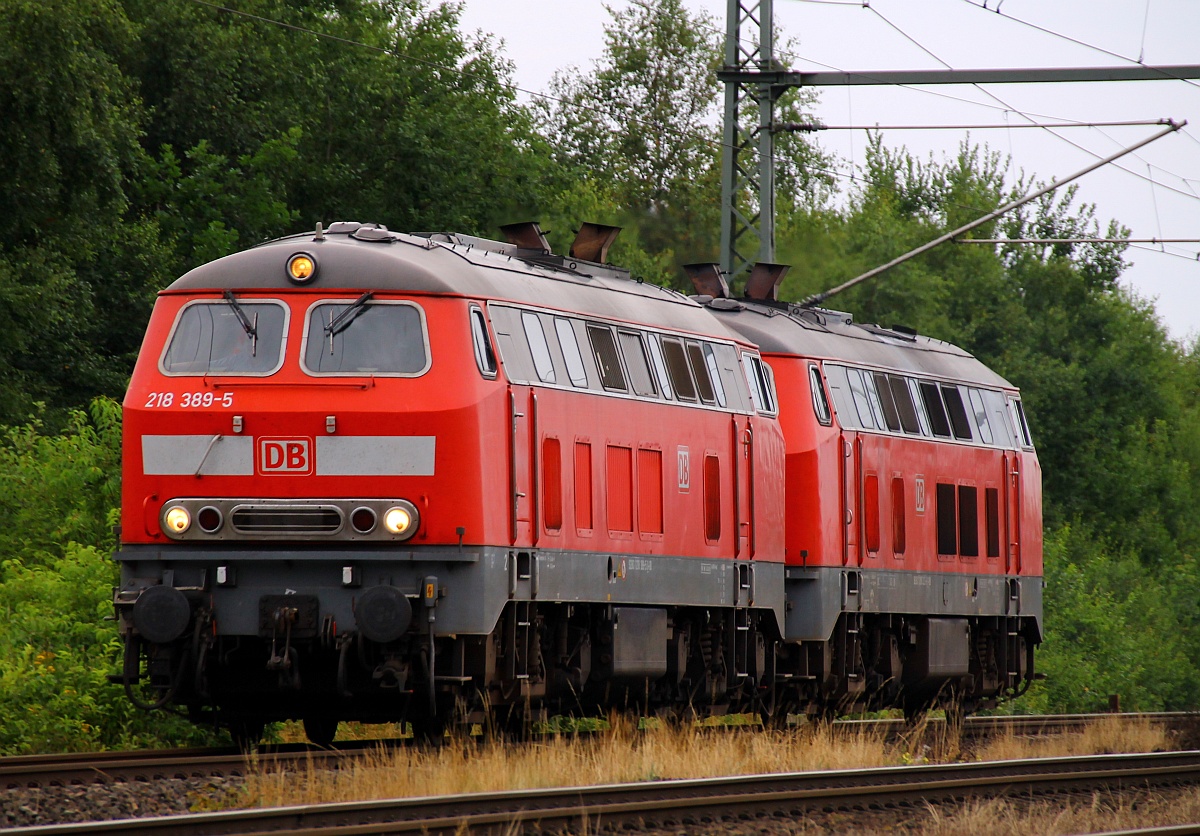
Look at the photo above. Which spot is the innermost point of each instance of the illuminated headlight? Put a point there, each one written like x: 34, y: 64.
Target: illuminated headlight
x: 401, y: 519
x: 302, y: 268
x: 177, y: 520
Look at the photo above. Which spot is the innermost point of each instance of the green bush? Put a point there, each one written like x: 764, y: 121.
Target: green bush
x: 57, y: 645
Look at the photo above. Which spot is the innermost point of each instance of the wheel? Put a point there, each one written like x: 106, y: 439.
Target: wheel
x: 321, y: 730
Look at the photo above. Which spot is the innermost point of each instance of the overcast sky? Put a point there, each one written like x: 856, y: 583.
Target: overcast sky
x: 1159, y: 199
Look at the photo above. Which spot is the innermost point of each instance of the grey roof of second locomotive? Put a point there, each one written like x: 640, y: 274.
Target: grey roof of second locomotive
x: 833, y: 335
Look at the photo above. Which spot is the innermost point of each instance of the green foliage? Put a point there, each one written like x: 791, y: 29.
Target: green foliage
x: 55, y: 651
x: 1111, y: 629
x: 62, y: 488
x: 56, y: 579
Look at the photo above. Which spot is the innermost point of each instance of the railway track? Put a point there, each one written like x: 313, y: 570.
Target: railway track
x: 709, y: 803
x: 151, y: 765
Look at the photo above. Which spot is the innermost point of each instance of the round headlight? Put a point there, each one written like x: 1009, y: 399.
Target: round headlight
x: 301, y: 268
x: 177, y: 519
x: 401, y: 519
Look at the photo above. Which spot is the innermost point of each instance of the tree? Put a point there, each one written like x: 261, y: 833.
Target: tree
x: 643, y: 127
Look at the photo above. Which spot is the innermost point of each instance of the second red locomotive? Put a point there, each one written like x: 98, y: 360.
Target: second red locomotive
x: 437, y: 478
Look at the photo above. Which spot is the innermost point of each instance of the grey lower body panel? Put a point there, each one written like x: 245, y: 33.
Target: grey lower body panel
x: 477, y: 582
x: 817, y: 596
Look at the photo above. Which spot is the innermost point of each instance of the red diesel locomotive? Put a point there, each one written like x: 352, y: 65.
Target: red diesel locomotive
x: 437, y: 478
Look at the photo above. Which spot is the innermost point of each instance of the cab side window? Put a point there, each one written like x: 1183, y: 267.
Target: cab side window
x: 485, y: 358
x: 820, y: 404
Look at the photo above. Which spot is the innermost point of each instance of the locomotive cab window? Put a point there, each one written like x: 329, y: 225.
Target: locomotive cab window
x: 365, y: 337
x: 485, y: 358
x: 820, y: 404
x: 232, y: 336
x: 1022, y: 424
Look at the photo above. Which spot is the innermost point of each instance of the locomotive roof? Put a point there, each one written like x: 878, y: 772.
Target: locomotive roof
x: 778, y: 328
x: 353, y: 256
x: 368, y: 257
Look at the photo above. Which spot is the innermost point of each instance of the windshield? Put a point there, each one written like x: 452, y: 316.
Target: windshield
x: 212, y: 338
x: 369, y: 338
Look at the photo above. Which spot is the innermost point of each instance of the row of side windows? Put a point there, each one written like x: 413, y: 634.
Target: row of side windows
x: 543, y: 348
x: 894, y: 403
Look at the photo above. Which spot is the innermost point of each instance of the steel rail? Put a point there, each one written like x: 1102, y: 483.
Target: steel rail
x: 678, y: 803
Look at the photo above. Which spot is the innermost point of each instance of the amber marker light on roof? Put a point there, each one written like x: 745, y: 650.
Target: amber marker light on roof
x: 301, y: 268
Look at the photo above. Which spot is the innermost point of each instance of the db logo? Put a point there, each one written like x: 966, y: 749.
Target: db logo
x: 285, y: 455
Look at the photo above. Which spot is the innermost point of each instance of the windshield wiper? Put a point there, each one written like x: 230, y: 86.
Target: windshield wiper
x: 343, y: 320
x: 250, y: 327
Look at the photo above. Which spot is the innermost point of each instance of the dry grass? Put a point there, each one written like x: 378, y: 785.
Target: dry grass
x: 621, y: 754
x: 1101, y: 813
x: 1110, y: 735
x: 624, y: 753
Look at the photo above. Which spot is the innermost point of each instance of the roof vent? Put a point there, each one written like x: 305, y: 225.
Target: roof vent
x: 371, y: 232
x: 707, y: 280
x: 527, y: 236
x: 592, y: 242
x: 764, y: 281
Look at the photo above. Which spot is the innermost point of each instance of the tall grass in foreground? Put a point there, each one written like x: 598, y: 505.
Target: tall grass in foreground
x: 624, y: 754
x: 1102, y: 813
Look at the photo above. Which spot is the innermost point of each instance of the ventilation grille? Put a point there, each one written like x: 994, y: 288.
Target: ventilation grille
x: 287, y: 519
